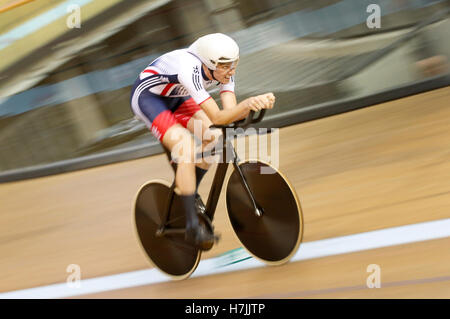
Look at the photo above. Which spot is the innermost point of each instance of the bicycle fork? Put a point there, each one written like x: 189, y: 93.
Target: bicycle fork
x: 257, y: 210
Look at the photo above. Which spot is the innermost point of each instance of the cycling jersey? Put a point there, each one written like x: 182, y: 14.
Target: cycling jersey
x: 170, y: 90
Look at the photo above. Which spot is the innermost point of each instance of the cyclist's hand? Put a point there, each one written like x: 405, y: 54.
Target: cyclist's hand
x: 254, y: 104
x: 263, y: 101
x: 269, y: 100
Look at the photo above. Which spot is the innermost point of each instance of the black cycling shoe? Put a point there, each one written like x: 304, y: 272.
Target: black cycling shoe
x: 200, y: 237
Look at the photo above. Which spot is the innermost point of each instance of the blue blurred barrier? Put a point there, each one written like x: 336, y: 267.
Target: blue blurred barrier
x: 339, y: 16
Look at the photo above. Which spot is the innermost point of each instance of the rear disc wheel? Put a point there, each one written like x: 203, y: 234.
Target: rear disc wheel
x: 169, y: 253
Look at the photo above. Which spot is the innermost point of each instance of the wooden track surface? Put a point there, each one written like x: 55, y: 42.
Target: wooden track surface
x: 383, y: 166
x: 342, y: 276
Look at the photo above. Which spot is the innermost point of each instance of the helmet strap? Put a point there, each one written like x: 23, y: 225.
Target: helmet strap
x: 212, y: 74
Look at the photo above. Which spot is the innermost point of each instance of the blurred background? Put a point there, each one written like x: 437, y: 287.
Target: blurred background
x: 66, y: 70
x: 64, y: 90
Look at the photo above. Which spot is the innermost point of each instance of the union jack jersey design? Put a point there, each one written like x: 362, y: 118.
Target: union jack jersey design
x: 179, y: 73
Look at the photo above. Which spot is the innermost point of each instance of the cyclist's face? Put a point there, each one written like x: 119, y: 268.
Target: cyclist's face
x: 224, y: 71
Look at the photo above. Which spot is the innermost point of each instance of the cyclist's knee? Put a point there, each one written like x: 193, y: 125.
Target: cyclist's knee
x: 211, y: 138
x: 181, y: 144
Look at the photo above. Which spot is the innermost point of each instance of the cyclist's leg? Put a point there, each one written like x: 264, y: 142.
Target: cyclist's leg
x: 209, y: 137
x: 182, y: 146
x: 179, y: 141
x: 199, y: 125
x: 154, y: 111
x: 196, y: 121
x: 191, y: 116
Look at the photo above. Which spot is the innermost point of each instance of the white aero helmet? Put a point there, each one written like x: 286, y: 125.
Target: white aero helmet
x: 215, y: 48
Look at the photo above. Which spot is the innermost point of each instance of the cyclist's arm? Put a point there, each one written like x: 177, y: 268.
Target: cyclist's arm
x: 255, y: 103
x: 189, y: 77
x: 233, y: 112
x: 229, y: 101
x: 229, y: 114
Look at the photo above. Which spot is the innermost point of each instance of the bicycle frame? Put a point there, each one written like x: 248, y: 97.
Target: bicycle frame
x: 216, y: 187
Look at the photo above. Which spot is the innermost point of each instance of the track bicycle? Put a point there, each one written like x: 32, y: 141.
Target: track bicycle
x: 263, y: 208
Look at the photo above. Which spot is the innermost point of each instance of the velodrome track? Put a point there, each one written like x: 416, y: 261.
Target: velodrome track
x: 377, y: 168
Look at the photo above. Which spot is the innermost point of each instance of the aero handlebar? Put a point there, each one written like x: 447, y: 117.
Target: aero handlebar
x: 245, y: 122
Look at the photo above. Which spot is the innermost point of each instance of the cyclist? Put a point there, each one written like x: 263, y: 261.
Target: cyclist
x: 170, y: 95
